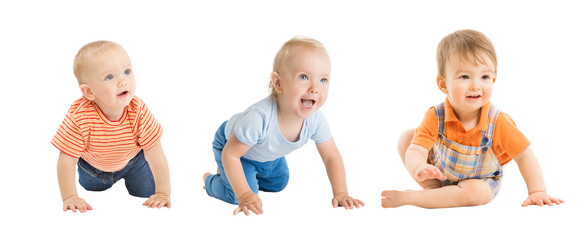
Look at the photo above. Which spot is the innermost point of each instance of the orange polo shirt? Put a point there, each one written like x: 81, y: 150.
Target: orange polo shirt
x: 508, y: 141
x: 105, y: 144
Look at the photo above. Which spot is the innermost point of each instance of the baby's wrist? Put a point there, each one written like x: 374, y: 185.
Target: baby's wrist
x: 69, y: 197
x: 535, y: 192
x: 244, y: 194
x: 340, y: 194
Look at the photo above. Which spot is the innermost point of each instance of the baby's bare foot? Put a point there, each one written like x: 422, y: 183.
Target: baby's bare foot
x: 205, y: 178
x: 393, y: 198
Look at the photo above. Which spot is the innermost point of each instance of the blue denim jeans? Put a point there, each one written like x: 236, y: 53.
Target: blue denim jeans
x: 269, y: 176
x: 136, y: 174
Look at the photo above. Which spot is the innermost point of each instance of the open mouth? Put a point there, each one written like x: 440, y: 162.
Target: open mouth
x: 123, y: 94
x: 476, y: 96
x: 308, y: 103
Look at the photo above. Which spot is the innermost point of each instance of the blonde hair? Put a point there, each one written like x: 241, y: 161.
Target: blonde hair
x: 285, y: 51
x: 467, y: 44
x: 90, y: 50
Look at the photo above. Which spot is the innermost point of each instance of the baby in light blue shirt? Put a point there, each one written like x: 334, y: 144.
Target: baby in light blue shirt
x: 250, y: 147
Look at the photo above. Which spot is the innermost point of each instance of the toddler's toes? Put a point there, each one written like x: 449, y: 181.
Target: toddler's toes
x: 205, y: 178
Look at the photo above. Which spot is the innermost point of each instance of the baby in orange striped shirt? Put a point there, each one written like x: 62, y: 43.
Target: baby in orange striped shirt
x: 109, y: 133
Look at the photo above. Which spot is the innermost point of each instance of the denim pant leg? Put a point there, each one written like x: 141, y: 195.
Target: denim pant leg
x: 138, y: 177
x: 93, y: 179
x: 274, y: 176
x: 217, y: 185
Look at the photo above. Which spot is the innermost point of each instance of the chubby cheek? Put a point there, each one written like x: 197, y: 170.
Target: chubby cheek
x: 110, y: 92
x: 457, y: 92
x: 100, y: 92
x: 132, y: 84
x: 323, y: 97
x: 487, y: 93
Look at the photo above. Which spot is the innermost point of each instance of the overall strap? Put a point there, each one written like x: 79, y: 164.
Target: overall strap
x: 440, y: 116
x: 487, y: 135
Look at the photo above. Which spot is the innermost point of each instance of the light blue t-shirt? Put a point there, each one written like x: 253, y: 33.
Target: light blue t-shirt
x: 257, y: 127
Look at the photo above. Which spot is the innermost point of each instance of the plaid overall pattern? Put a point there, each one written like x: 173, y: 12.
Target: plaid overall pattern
x: 459, y: 162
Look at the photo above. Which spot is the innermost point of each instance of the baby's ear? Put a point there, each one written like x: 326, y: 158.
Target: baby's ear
x: 86, y: 91
x: 441, y: 84
x: 275, y: 81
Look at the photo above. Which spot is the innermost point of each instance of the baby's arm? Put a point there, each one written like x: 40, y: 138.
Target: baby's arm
x: 159, y: 167
x: 231, y: 158
x: 66, y: 177
x: 531, y: 172
x: 416, y: 164
x: 336, y: 173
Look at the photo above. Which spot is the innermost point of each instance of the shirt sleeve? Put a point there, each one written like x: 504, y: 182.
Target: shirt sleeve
x: 68, y: 138
x: 322, y: 131
x: 251, y: 127
x: 426, y: 134
x: 150, y: 130
x: 508, y: 141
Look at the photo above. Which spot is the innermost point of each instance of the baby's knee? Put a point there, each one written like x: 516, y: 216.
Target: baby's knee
x: 477, y: 194
x: 280, y: 186
x: 274, y: 185
x: 406, y: 137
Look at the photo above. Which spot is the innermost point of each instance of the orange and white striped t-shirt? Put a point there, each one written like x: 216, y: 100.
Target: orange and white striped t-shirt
x: 107, y: 145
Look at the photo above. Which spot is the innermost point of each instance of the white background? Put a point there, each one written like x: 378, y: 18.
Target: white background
x: 198, y: 63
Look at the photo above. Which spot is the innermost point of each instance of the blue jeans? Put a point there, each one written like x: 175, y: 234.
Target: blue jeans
x: 137, y: 175
x: 269, y: 176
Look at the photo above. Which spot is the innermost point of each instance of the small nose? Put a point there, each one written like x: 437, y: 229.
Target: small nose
x: 122, y: 82
x: 313, y: 88
x: 475, y: 85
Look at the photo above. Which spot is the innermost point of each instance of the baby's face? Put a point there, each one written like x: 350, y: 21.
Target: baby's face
x: 304, y: 82
x: 111, y: 79
x: 469, y: 86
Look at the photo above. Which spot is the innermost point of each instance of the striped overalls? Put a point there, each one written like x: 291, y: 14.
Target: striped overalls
x: 459, y: 162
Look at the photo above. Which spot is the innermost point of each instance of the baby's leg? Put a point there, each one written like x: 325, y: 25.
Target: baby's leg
x: 206, y: 175
x: 218, y: 186
x: 93, y: 179
x: 139, y: 179
x: 471, y: 192
x: 402, y: 146
x: 275, y: 176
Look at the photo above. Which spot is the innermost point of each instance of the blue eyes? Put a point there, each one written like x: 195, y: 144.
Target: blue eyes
x: 484, y: 77
x: 305, y: 77
x: 127, y: 72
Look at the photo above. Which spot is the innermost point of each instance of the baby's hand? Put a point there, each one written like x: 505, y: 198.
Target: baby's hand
x: 75, y: 202
x: 428, y: 171
x: 158, y: 200
x: 541, y: 199
x: 343, y: 199
x: 249, y: 201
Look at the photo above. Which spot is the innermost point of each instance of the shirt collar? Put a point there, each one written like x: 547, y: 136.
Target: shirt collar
x: 449, y: 115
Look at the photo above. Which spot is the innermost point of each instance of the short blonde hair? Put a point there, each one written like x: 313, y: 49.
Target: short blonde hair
x: 87, y: 51
x: 467, y: 44
x: 285, y: 51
